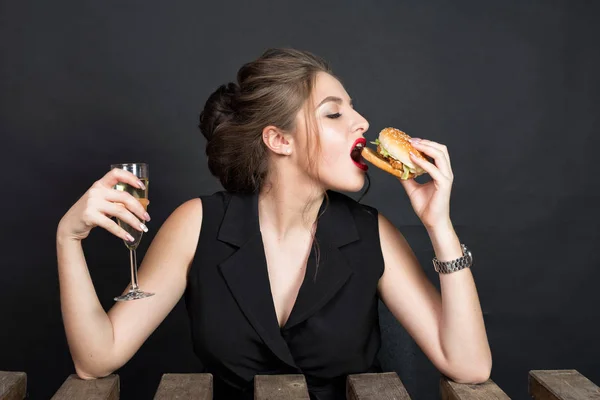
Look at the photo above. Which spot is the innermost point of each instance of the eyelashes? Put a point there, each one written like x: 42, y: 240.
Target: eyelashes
x: 334, y: 116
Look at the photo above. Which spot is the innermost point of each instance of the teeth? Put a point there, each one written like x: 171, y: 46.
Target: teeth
x: 360, y: 146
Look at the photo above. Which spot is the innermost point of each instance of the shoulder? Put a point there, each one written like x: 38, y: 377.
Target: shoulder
x: 194, y: 209
x: 186, y: 212
x: 389, y: 236
x: 362, y: 221
x: 364, y: 218
x: 182, y: 227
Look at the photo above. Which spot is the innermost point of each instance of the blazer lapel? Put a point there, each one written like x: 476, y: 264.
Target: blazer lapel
x: 247, y: 275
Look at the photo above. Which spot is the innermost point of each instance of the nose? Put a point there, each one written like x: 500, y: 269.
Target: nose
x: 361, y: 124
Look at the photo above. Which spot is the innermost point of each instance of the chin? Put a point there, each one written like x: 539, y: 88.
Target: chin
x: 350, y: 183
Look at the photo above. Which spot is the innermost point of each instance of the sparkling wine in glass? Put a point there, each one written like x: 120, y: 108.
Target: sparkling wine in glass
x: 141, y: 171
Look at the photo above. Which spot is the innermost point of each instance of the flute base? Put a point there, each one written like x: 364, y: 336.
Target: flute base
x: 133, y: 294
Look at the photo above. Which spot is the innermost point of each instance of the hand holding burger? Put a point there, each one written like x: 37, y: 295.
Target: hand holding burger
x: 404, y: 157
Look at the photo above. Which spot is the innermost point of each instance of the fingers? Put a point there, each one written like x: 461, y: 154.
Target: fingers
x: 121, y: 212
x: 107, y: 203
x: 111, y: 226
x: 93, y: 217
x: 130, y: 202
x: 117, y: 175
x: 409, y: 185
x: 436, y: 145
x: 438, y: 153
x: 431, y: 169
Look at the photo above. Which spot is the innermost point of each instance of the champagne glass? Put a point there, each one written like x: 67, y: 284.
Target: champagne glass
x: 141, y: 171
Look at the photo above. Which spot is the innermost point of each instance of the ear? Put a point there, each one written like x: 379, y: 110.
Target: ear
x: 277, y: 140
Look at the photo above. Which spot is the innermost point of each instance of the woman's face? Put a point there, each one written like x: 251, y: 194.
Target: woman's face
x: 340, y: 128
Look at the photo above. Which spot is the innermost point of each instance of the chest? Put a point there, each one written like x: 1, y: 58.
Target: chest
x: 286, y: 266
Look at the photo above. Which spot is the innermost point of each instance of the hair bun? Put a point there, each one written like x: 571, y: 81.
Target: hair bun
x: 219, y: 108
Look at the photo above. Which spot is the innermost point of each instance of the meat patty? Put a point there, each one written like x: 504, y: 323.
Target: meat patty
x: 394, y: 163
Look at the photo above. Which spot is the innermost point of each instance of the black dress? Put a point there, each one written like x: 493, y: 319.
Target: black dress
x: 333, y: 329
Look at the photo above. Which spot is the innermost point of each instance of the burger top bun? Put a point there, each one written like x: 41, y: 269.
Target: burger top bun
x: 396, y: 143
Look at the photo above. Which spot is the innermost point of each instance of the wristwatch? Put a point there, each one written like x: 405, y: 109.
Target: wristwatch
x: 447, y: 267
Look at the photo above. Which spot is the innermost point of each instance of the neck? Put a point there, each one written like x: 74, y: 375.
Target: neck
x: 289, y: 206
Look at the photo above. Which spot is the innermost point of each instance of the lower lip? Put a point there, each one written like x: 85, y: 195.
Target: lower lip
x: 363, y: 166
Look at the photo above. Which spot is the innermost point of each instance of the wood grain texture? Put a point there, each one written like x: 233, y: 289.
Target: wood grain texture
x: 185, y: 387
x: 75, y: 388
x: 488, y: 390
x: 566, y: 384
x: 280, y: 387
x: 13, y: 385
x: 385, y: 386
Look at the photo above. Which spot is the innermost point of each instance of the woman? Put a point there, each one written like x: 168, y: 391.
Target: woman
x: 280, y: 272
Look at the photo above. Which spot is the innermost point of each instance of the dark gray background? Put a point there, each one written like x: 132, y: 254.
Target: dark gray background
x: 511, y: 87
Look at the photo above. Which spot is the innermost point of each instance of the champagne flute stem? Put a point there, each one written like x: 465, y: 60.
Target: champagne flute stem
x: 133, y: 259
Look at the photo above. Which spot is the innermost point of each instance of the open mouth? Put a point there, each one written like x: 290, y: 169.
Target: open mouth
x: 356, y: 156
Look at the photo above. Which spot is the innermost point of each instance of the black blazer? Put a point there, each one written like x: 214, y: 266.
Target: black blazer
x: 333, y: 329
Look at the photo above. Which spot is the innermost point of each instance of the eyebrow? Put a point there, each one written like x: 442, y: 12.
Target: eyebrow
x: 332, y: 98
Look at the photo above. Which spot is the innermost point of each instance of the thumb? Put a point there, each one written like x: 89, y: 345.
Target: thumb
x: 410, y: 185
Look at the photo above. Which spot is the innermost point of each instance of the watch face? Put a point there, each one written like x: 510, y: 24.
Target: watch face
x: 466, y: 251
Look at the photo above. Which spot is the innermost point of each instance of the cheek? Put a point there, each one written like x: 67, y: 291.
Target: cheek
x: 331, y: 157
x: 333, y: 147
x: 334, y: 150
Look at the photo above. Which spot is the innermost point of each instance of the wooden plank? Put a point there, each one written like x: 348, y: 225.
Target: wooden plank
x: 566, y: 384
x: 13, y: 385
x: 185, y: 387
x: 75, y: 388
x: 385, y: 386
x: 488, y: 390
x: 280, y: 387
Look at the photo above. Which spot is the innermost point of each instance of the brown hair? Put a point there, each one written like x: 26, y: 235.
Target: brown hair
x: 270, y: 90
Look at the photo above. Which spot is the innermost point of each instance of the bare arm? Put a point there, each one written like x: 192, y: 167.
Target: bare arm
x: 102, y: 342
x: 448, y: 327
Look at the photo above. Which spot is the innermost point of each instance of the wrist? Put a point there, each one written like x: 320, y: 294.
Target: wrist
x: 441, y: 229
x: 445, y: 241
x: 63, y: 238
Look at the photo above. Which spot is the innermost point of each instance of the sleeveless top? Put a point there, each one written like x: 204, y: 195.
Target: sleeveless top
x: 333, y: 329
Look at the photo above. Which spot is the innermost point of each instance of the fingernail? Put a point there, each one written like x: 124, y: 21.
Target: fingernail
x: 130, y: 238
x: 144, y: 227
x: 414, y: 140
x: 412, y: 154
x: 141, y: 185
x: 147, y: 216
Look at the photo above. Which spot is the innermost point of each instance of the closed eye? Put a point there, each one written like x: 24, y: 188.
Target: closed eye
x: 334, y: 116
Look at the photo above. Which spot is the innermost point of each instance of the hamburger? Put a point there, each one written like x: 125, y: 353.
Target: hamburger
x: 392, y: 155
